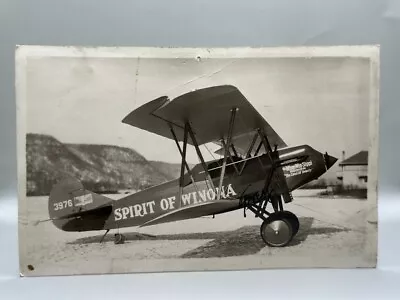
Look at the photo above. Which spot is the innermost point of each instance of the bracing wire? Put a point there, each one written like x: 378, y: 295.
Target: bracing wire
x: 206, y: 180
x: 209, y: 151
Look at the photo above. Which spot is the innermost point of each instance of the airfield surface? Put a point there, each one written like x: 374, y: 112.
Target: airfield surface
x: 334, y: 232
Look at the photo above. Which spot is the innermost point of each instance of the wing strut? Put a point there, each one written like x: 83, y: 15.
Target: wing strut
x: 248, y: 154
x: 184, y: 162
x: 234, y: 150
x: 264, y: 140
x: 181, y: 181
x: 258, y: 148
x: 270, y: 154
x: 227, y: 146
x: 276, y: 163
x: 230, y: 156
x: 196, y: 146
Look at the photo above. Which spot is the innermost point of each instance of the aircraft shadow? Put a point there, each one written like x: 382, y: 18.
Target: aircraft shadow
x: 247, y: 241
x: 242, y: 241
x: 137, y: 236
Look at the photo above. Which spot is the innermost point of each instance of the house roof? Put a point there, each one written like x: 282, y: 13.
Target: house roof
x: 359, y: 159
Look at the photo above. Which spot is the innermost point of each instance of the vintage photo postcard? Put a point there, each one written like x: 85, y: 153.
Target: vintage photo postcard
x: 189, y: 159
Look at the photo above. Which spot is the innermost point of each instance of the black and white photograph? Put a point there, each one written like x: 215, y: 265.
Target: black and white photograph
x: 135, y: 160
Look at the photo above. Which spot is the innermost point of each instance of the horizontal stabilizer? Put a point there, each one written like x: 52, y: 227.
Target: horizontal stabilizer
x: 104, y: 210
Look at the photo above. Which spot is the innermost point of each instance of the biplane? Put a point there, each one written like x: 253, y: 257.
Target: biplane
x: 255, y: 171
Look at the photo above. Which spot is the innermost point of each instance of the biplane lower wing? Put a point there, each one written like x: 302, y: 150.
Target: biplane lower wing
x: 209, y: 111
x: 195, y: 211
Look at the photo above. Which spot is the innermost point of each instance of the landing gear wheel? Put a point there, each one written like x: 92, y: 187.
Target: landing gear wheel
x: 276, y: 231
x: 292, y: 218
x: 119, y: 238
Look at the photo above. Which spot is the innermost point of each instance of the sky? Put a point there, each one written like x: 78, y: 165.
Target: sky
x: 322, y: 102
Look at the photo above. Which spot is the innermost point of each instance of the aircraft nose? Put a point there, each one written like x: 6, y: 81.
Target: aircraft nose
x: 329, y: 160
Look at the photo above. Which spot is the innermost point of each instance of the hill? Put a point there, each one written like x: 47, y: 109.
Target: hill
x: 101, y: 168
x: 171, y: 171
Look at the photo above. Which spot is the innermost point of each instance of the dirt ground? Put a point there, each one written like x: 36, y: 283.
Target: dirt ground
x: 334, y: 232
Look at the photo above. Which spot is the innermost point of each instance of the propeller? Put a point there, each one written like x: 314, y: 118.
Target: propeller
x: 326, y: 158
x: 329, y: 160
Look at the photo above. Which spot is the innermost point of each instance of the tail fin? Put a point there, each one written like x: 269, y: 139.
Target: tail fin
x: 73, y: 208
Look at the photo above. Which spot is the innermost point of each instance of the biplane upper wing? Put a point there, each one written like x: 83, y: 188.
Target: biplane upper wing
x: 208, y: 111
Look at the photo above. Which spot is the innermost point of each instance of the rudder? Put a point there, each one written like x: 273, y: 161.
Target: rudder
x: 73, y: 208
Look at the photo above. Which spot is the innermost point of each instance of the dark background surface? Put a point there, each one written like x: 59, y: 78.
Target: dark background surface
x: 206, y: 24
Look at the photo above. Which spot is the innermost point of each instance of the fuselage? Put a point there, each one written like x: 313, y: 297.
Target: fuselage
x: 169, y: 202
x: 242, y: 177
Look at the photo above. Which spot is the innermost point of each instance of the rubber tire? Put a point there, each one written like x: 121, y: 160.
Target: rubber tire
x: 271, y: 218
x: 293, y: 219
x: 119, y: 238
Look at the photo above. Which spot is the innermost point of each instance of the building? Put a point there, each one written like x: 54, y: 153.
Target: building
x: 354, y: 170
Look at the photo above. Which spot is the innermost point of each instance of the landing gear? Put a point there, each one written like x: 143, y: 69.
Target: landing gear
x: 119, y: 238
x: 292, y: 218
x: 276, y: 231
x: 102, y: 238
x: 278, y: 228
